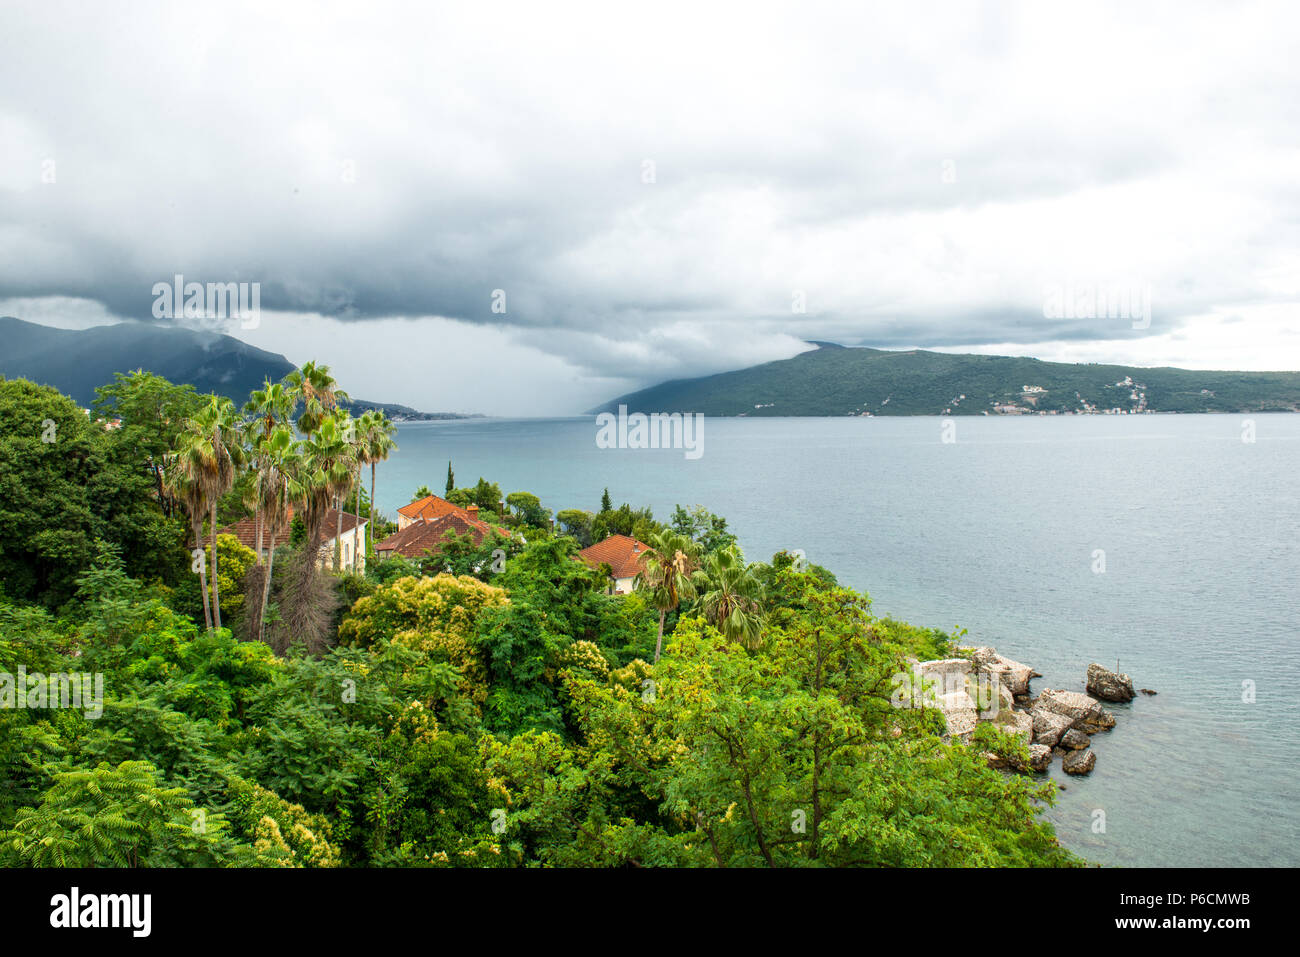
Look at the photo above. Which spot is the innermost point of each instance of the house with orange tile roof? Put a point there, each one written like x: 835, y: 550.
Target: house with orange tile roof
x: 424, y: 525
x: 429, y: 508
x: 246, y: 531
x: 625, y: 557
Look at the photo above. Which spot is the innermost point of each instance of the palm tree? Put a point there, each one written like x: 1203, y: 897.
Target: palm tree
x: 279, y: 463
x: 211, y: 451
x: 318, y: 391
x: 668, y: 575
x: 375, y: 433
x: 733, y: 599
x: 268, y: 406
x: 327, y: 468
x: 343, y: 481
x: 182, y: 482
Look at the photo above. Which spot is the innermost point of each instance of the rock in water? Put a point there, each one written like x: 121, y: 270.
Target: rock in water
x: 1048, y: 727
x: 1074, y: 740
x: 1040, y: 756
x: 1109, y: 685
x: 1085, y: 713
x: 1017, y: 723
x: 1079, y: 762
x: 1010, y: 673
x: 1146, y: 691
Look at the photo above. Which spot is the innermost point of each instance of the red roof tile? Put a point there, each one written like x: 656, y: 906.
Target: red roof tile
x: 624, y: 555
x: 431, y: 507
x: 421, y: 537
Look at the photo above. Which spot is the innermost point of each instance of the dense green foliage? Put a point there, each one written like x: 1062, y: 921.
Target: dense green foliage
x: 505, y: 713
x: 832, y: 380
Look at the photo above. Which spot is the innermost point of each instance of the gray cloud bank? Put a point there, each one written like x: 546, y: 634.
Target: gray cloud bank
x: 667, y: 190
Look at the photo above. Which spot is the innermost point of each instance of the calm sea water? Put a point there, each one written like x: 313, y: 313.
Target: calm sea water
x: 998, y: 533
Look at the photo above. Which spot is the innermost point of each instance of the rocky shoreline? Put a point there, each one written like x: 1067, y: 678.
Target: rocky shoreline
x: 989, y: 687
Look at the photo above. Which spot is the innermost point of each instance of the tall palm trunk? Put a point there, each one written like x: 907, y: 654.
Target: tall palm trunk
x: 203, y: 574
x: 266, y: 593
x: 338, y: 534
x: 356, y: 529
x: 659, y: 642
x: 216, y: 592
x: 314, y: 533
x: 260, y: 522
x: 370, y: 525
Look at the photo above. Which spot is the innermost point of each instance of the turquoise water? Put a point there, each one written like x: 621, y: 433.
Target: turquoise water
x: 997, y: 533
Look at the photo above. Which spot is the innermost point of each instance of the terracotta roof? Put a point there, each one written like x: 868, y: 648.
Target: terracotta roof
x: 624, y: 555
x: 427, y: 536
x: 431, y: 507
x: 246, y: 529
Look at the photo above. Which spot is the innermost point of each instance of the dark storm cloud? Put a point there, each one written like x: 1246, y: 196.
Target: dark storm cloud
x: 654, y: 190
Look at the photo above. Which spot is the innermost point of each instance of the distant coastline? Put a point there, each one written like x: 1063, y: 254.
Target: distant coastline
x: 835, y: 381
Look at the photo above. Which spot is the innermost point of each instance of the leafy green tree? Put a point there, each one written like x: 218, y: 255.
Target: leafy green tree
x: 150, y: 413
x: 577, y: 523
x: 147, y: 523
x: 284, y: 834
x: 64, y: 484
x: 528, y: 509
x: 701, y: 526
x: 463, y: 555
x: 118, y: 817
x: 518, y: 649
x: 486, y: 495
x: 444, y: 815
x: 451, y: 478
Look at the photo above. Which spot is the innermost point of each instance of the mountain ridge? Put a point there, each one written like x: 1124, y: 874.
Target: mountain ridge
x: 77, y: 361
x: 835, y: 380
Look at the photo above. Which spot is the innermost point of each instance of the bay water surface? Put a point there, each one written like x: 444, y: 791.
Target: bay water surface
x: 1003, y: 532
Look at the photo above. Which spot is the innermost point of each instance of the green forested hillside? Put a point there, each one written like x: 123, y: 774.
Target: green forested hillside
x: 487, y: 705
x: 833, y: 380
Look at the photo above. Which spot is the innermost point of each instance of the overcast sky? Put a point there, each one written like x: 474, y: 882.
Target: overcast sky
x: 660, y: 190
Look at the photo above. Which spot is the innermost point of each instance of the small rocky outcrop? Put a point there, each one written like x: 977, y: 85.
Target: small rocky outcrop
x: 1040, y: 757
x: 1075, y: 740
x: 1048, y: 726
x: 1011, y: 673
x: 1084, y: 712
x: 1079, y: 762
x: 1109, y: 685
x: 987, y: 687
x: 1016, y: 722
x: 959, y: 712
